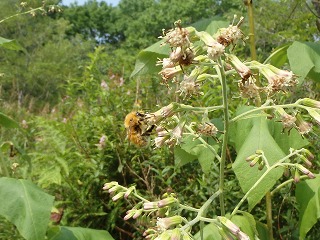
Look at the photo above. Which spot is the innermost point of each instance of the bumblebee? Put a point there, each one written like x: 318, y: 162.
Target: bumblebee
x: 138, y: 130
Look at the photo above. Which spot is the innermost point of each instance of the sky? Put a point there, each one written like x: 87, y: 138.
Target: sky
x: 81, y: 2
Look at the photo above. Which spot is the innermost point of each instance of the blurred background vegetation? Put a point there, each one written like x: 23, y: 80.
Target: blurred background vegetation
x: 71, y: 87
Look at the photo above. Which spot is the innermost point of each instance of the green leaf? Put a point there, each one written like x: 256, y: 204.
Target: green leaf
x: 246, y: 223
x: 147, y: 59
x: 304, y: 59
x: 279, y: 56
x: 7, y: 122
x: 308, y: 198
x: 210, y: 232
x: 205, y: 157
x: 210, y: 25
x: 255, y: 135
x: 192, y: 149
x: 78, y: 233
x: 11, y: 44
x: 263, y: 231
x: 285, y: 140
x: 27, y: 206
x: 182, y: 157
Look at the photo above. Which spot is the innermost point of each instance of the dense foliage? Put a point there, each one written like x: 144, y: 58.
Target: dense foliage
x: 65, y: 83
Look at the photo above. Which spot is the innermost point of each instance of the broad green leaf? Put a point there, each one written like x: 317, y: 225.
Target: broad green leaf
x: 7, y: 122
x: 192, y: 149
x: 246, y: 223
x: 181, y: 157
x: 210, y: 232
x: 205, y: 157
x: 11, y: 44
x: 304, y: 59
x: 263, y: 231
x: 210, y: 25
x: 147, y: 59
x: 258, y: 137
x: 279, y: 56
x: 25, y: 205
x: 308, y: 198
x: 285, y: 140
x: 214, y: 26
x: 78, y: 233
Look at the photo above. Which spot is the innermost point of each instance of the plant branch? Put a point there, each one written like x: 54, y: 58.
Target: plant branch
x: 221, y: 73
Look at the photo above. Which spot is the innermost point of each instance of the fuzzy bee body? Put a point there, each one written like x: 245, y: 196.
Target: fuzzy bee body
x: 137, y: 128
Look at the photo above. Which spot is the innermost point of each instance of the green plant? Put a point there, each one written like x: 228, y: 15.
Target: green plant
x: 264, y: 142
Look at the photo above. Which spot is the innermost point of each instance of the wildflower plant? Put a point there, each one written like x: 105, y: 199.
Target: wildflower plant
x: 268, y: 138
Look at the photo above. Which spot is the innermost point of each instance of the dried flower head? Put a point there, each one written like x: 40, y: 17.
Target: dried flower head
x: 287, y: 120
x: 231, y: 34
x: 249, y: 89
x: 189, y: 86
x: 278, y: 80
x: 169, y: 73
x: 215, y: 50
x: 208, y: 129
x: 302, y: 126
x: 239, y: 66
x: 177, y: 37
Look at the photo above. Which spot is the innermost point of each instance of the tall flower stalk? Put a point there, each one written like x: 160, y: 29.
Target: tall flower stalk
x: 198, y: 58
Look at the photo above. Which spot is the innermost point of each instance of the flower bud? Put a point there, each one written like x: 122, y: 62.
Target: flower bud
x: 239, y: 66
x: 305, y: 171
x: 254, y: 161
x: 150, y: 205
x: 296, y: 176
x: 167, y: 202
x: 118, y: 196
x: 129, y: 214
x: 303, y: 126
x: 305, y: 160
x: 261, y: 165
x: 310, y: 103
x: 165, y: 223
x: 128, y: 192
x: 309, y: 154
x: 243, y: 236
x: 149, y: 231
x: 251, y: 157
x: 114, y: 189
x: 109, y: 185
x: 234, y: 229
x: 315, y: 115
x: 137, y: 214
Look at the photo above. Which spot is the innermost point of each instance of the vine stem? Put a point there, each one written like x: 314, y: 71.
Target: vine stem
x: 222, y: 76
x: 21, y: 13
x: 201, y: 211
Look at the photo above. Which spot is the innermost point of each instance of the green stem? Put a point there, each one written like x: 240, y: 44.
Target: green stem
x: 204, y: 143
x: 183, y: 107
x: 286, y: 183
x: 292, y: 105
x: 23, y: 13
x: 269, y: 214
x: 201, y: 211
x: 221, y: 73
x: 251, y: 29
